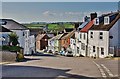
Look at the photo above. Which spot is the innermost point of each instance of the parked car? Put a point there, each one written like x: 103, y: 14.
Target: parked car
x: 62, y: 53
x: 68, y: 53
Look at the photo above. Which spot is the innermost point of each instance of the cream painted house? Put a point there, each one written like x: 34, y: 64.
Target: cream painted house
x: 104, y: 36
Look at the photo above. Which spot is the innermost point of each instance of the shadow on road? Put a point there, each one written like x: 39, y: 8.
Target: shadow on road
x: 43, y: 54
x: 31, y: 72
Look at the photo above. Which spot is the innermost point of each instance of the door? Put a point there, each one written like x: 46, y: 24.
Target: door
x: 97, y: 52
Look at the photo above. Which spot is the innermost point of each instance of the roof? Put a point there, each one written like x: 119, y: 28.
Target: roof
x: 58, y: 37
x: 83, y: 24
x: 88, y: 26
x: 103, y: 27
x: 12, y: 25
x: 40, y: 36
x: 3, y: 29
x: 69, y: 35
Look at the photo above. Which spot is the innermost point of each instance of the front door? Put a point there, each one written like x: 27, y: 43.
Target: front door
x: 97, y: 52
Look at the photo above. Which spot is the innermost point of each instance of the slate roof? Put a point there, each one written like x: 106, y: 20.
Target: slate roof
x: 103, y: 27
x: 40, y: 36
x: 83, y: 24
x: 88, y: 26
x: 3, y: 29
x: 58, y: 37
x: 12, y: 25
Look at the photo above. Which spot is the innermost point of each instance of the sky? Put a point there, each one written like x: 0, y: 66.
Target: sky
x: 25, y: 12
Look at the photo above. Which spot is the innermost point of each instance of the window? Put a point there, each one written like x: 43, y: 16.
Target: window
x: 83, y: 46
x: 96, y: 21
x: 84, y: 36
x: 91, y: 34
x: 93, y: 48
x: 101, y: 35
x: 102, y: 51
x: 80, y: 36
x: 106, y: 20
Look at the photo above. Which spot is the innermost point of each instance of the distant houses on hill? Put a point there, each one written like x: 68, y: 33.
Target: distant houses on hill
x: 97, y: 36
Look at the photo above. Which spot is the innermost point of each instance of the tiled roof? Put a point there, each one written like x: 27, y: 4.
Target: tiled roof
x: 12, y: 25
x: 103, y: 27
x: 88, y: 26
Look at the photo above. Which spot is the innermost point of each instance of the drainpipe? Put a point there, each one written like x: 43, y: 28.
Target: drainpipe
x: 87, y: 46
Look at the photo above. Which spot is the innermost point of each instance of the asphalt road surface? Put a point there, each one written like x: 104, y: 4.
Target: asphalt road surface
x: 48, y: 66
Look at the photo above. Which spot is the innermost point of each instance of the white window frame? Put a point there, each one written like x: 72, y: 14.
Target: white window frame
x: 101, y: 35
x: 106, y: 22
x: 95, y: 21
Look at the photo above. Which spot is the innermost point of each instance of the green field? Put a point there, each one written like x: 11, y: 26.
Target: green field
x: 51, y: 26
x: 34, y: 25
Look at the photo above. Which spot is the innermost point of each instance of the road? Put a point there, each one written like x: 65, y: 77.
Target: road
x: 60, y: 66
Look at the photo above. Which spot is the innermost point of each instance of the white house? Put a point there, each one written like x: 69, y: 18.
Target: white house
x: 22, y: 32
x: 104, y: 35
x: 83, y: 35
x: 32, y: 44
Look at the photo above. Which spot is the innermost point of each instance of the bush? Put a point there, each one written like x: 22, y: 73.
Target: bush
x: 5, y: 47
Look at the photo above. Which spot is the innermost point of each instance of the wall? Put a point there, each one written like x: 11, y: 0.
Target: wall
x: 114, y: 33
x: 32, y: 44
x: 98, y: 43
x: 83, y: 43
x: 4, y: 41
x: 23, y: 39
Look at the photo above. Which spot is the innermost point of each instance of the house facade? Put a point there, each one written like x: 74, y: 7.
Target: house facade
x: 41, y: 41
x: 65, y: 40
x: 104, y: 37
x: 22, y: 32
x: 54, y: 44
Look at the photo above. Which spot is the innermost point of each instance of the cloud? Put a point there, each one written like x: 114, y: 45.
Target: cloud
x: 49, y: 13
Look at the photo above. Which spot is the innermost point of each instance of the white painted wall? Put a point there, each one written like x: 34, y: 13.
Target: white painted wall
x: 98, y: 43
x: 23, y: 40
x: 32, y: 44
x: 72, y: 44
x: 51, y: 45
x: 84, y: 42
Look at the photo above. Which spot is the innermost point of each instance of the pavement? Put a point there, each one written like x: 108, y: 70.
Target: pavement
x: 53, y: 67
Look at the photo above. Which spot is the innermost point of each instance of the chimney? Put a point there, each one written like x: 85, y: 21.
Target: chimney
x: 76, y: 25
x: 93, y: 15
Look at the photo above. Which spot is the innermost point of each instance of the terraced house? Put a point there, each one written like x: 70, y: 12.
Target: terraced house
x: 54, y: 44
x: 104, y: 36
x: 83, y: 34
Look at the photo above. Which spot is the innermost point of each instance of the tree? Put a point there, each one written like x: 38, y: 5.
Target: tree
x: 13, y: 39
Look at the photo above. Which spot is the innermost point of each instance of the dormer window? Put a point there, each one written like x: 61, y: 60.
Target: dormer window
x: 106, y: 20
x: 96, y: 22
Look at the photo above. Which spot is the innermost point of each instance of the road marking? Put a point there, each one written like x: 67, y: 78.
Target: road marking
x: 100, y: 69
x: 108, y: 71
